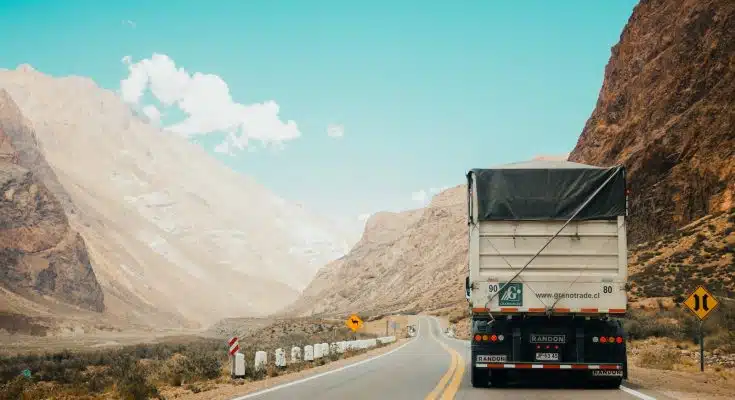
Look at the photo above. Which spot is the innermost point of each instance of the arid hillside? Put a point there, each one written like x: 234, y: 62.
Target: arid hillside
x: 405, y: 262
x: 174, y: 237
x: 42, y: 257
x: 666, y: 111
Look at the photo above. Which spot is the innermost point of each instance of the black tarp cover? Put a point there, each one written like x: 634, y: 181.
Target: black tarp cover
x: 548, y: 190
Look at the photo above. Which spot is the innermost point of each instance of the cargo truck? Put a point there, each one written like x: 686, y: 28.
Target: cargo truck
x: 547, y: 271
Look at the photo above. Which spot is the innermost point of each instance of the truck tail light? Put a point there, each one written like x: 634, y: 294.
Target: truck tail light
x: 490, y: 337
x: 606, y: 339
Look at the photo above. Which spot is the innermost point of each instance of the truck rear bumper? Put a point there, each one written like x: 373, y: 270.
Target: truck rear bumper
x: 565, y: 366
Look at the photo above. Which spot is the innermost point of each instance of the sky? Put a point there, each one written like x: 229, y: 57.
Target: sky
x: 348, y: 108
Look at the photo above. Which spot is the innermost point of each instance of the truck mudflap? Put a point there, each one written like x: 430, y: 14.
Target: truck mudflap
x: 564, y: 366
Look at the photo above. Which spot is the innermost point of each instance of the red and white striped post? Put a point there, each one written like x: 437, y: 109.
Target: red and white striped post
x: 234, y: 347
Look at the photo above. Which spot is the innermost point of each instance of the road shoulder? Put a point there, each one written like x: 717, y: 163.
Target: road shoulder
x: 230, y: 390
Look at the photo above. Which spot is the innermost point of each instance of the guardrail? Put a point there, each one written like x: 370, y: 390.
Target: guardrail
x: 310, y: 353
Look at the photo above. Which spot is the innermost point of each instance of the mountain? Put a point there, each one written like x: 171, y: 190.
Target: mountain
x: 666, y: 111
x: 42, y: 257
x: 175, y: 238
x: 408, y: 261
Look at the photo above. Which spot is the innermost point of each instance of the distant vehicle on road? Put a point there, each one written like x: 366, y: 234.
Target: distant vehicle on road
x: 547, y: 271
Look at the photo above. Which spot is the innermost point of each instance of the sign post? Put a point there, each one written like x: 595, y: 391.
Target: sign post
x: 701, y: 302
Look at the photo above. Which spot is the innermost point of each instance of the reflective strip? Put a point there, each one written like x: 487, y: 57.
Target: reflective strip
x: 551, y: 366
x: 557, y: 310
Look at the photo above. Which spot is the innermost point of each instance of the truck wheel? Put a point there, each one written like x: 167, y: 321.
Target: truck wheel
x: 480, y: 378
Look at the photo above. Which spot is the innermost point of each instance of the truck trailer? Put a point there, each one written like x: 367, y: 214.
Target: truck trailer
x: 547, y: 275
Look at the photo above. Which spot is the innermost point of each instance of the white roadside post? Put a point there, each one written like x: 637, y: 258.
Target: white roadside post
x: 236, y: 370
x: 308, y: 353
x: 318, y: 351
x: 325, y: 349
x: 261, y: 359
x: 295, y: 354
x: 280, y: 358
x: 239, y: 365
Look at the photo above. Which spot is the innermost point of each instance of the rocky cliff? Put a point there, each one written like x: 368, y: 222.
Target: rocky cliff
x: 666, y: 110
x: 39, y: 252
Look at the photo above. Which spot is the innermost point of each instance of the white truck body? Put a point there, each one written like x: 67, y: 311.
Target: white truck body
x: 583, y: 270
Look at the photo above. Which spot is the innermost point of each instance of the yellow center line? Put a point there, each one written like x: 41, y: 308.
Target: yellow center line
x: 453, y: 387
x: 456, y: 370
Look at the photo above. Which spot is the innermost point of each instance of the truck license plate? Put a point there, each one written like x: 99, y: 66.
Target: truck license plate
x: 547, y: 356
x: 603, y: 372
x: 491, y: 358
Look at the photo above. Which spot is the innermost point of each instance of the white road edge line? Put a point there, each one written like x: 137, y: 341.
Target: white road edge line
x: 636, y: 393
x: 274, y: 388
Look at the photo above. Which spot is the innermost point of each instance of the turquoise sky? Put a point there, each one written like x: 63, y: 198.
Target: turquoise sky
x: 425, y: 90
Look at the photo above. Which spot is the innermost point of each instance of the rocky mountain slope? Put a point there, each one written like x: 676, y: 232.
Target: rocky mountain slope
x: 175, y: 237
x: 409, y: 261
x: 666, y: 111
x: 40, y: 254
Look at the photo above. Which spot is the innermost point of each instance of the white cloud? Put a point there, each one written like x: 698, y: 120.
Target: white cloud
x: 129, y: 23
x: 551, y: 157
x: 206, y: 101
x: 424, y: 196
x: 335, y: 131
x: 223, y: 148
x: 153, y: 114
x: 421, y: 196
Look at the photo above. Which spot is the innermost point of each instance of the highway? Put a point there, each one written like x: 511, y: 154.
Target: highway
x: 430, y: 366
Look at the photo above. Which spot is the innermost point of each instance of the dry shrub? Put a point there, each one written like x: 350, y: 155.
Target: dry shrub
x: 659, y: 356
x: 130, y: 380
x: 724, y: 341
x: 458, y: 315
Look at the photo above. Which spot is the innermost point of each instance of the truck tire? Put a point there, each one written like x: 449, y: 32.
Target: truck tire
x: 480, y: 378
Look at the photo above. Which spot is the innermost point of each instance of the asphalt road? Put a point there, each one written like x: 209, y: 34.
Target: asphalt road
x: 430, y: 366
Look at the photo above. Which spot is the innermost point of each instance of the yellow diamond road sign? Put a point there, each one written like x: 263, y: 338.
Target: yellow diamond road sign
x: 354, y: 322
x: 701, y: 302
